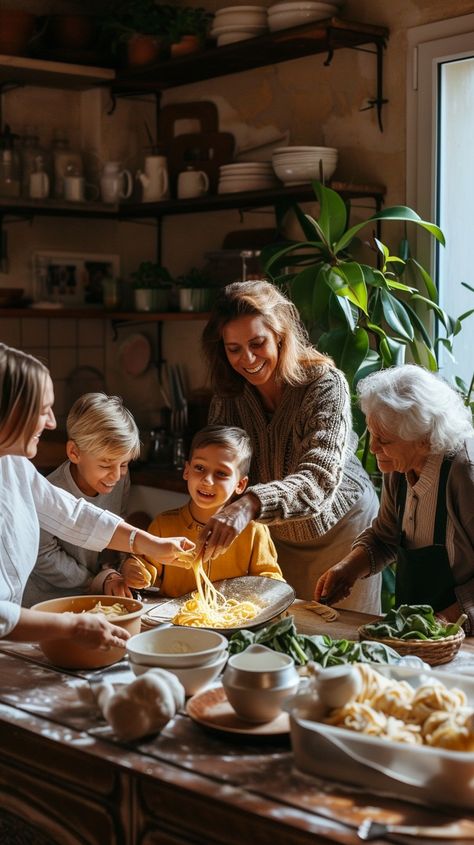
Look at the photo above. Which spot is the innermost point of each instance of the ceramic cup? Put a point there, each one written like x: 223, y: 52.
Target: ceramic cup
x: 192, y: 183
x: 75, y: 188
x: 115, y: 184
x: 39, y: 185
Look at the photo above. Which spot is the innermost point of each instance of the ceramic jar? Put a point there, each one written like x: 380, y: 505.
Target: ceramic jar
x: 115, y: 184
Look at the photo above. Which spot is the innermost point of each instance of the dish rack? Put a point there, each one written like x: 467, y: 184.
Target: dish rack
x: 433, y: 652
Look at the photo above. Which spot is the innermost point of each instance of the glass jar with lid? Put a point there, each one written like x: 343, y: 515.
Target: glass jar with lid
x: 10, y: 164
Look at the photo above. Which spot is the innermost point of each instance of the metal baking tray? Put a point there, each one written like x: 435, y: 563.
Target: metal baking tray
x: 273, y: 596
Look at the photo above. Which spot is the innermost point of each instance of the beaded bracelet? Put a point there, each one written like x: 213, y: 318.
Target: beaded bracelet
x: 131, y: 540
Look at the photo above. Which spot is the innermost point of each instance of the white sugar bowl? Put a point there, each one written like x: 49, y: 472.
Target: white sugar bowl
x: 257, y: 682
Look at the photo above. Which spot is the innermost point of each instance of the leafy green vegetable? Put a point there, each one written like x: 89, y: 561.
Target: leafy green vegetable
x: 282, y: 636
x: 413, y: 622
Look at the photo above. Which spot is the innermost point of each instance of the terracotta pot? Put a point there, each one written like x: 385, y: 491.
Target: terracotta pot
x: 143, y: 50
x: 74, y: 32
x: 188, y: 44
x: 67, y: 653
x: 16, y: 29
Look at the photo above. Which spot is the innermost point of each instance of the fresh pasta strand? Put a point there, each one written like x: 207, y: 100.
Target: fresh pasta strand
x: 430, y: 715
x: 208, y: 608
x: 115, y: 609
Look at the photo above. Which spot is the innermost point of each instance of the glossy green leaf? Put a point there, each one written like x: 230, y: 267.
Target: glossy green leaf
x: 301, y: 292
x: 333, y: 212
x: 348, y: 349
x: 400, y: 213
x: 451, y: 324
x: 396, y: 316
x: 392, y: 351
x: 430, y: 286
x: 355, y: 289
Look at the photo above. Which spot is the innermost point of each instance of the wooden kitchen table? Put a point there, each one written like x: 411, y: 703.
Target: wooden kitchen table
x: 64, y: 779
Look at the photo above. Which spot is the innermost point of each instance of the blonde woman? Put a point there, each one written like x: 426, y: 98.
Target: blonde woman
x: 30, y: 502
x: 306, y: 482
x: 102, y: 438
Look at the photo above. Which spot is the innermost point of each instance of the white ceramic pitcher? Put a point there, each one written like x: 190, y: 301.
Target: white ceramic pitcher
x: 155, y: 179
x: 115, y: 184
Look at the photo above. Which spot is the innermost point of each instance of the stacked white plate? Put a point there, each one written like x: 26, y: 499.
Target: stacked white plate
x: 300, y: 165
x: 246, y: 176
x: 298, y: 12
x: 237, y: 23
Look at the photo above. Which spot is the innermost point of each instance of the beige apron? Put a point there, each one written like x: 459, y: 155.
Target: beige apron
x: 303, y: 562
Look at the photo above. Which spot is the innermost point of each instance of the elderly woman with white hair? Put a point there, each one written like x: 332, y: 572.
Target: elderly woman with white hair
x: 423, y: 439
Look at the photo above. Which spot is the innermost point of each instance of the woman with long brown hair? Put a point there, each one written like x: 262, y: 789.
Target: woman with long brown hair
x: 306, y: 481
x: 30, y: 502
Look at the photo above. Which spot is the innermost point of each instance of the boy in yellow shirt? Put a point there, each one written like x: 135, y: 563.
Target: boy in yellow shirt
x: 217, y: 470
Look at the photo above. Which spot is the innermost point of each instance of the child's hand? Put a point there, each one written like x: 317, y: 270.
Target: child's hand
x: 114, y: 585
x: 138, y: 574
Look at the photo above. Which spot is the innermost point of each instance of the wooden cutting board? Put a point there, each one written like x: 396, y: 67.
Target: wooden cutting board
x: 203, y: 112
x: 204, y: 151
x: 345, y: 627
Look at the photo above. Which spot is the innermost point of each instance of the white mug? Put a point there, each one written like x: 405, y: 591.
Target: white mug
x: 115, y: 184
x: 155, y: 179
x: 39, y: 185
x: 75, y: 189
x: 192, y: 183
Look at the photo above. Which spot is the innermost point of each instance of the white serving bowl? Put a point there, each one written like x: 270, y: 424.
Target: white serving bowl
x: 301, y: 172
x: 285, y: 20
x: 193, y: 678
x: 241, y: 15
x: 176, y: 647
x: 299, y: 150
x: 238, y: 35
x: 302, y: 5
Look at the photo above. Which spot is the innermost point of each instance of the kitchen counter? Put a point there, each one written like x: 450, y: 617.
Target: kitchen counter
x: 65, y: 779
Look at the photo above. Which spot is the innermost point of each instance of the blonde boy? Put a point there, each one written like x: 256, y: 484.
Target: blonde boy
x: 102, y: 439
x: 217, y: 470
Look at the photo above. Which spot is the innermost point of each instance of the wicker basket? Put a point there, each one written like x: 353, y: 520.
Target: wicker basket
x: 433, y: 652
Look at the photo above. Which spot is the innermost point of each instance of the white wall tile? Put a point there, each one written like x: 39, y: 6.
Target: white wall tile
x: 91, y: 356
x: 10, y: 332
x: 62, y: 362
x: 35, y: 332
x: 90, y: 332
x: 62, y: 332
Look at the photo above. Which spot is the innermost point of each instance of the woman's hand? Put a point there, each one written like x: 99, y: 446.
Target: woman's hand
x: 337, y: 582
x: 226, y: 525
x: 168, y: 551
x: 93, y: 630
x: 450, y: 614
x: 114, y: 585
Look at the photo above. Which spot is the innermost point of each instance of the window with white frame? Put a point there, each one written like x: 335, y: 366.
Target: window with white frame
x: 440, y: 168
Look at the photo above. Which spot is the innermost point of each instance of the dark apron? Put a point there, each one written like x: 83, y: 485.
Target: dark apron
x: 424, y: 576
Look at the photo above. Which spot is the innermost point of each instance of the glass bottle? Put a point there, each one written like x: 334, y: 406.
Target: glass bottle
x: 10, y: 164
x: 29, y: 149
x: 65, y: 161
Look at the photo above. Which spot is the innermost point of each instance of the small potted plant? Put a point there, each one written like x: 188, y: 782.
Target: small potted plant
x: 187, y: 29
x: 140, y: 25
x: 151, y: 285
x: 195, y: 290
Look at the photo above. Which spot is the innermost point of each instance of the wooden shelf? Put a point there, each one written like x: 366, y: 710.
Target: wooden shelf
x: 19, y: 70
x: 102, y: 314
x: 247, y: 199
x: 56, y: 208
x: 272, y: 48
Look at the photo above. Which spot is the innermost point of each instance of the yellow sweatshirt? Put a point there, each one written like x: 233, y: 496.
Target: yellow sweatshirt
x: 252, y: 553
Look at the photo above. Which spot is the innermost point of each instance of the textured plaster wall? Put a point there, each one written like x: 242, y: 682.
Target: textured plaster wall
x: 314, y: 103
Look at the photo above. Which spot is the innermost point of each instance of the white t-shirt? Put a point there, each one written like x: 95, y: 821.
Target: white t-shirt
x: 29, y: 502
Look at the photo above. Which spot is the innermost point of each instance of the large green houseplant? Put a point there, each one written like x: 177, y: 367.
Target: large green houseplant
x: 361, y: 314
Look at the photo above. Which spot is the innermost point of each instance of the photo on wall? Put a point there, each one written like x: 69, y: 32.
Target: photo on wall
x: 72, y: 279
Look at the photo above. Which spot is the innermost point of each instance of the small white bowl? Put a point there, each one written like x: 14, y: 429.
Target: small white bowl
x: 194, y: 678
x: 302, y: 5
x: 285, y: 20
x: 176, y: 647
x: 301, y: 172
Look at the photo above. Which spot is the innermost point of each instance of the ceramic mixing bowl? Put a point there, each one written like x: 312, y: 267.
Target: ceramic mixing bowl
x: 172, y: 646
x: 69, y: 655
x: 257, y: 682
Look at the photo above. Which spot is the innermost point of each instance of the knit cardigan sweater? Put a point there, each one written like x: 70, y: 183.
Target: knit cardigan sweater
x: 304, y: 469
